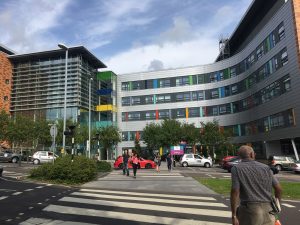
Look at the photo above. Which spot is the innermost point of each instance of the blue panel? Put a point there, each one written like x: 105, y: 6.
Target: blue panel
x: 155, y: 84
x: 217, y: 76
x: 222, y: 92
x: 104, y: 91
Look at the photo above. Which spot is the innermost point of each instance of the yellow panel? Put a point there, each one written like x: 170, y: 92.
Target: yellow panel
x: 101, y: 108
x: 187, y: 113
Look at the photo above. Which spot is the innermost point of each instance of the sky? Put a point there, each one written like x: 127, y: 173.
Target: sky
x: 127, y: 35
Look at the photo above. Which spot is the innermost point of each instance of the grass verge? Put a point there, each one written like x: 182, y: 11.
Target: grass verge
x: 291, y: 190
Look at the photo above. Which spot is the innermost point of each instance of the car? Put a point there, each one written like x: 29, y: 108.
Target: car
x: 43, y: 157
x: 296, y: 166
x: 143, y: 163
x: 226, y: 159
x: 282, y: 162
x: 232, y: 162
x: 1, y: 170
x: 9, y: 156
x: 194, y: 160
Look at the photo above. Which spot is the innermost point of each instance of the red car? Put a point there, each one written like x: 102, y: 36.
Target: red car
x: 143, y: 163
x: 225, y: 160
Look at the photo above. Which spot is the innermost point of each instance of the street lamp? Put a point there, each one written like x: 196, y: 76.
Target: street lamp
x: 62, y: 46
x: 89, y: 145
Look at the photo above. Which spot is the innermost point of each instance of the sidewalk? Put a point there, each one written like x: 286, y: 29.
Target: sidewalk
x: 150, y: 180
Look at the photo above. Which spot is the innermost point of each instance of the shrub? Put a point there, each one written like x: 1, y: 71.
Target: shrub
x: 64, y: 170
x: 103, y: 166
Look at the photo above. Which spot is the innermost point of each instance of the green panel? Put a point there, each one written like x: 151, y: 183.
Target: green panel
x: 130, y: 85
x: 191, y: 79
x: 201, y: 112
x: 106, y: 75
x: 154, y: 99
x: 231, y: 107
x: 268, y: 44
x: 226, y: 73
x: 270, y: 67
x: 247, y: 83
x: 239, y: 129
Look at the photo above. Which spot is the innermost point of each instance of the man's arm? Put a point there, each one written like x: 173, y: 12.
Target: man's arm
x: 278, y: 191
x: 235, y: 195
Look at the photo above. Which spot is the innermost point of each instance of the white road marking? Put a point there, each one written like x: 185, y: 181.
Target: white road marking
x: 20, y: 214
x: 29, y: 189
x: 8, y: 220
x: 127, y: 216
x: 53, y: 196
x: 17, y: 193
x: 30, y: 208
x: 185, y: 210
x: 151, y: 194
x: 159, y: 200
x: 227, y: 176
x: 34, y: 220
x: 288, y: 205
x: 40, y: 187
x: 3, y: 197
x: 40, y: 203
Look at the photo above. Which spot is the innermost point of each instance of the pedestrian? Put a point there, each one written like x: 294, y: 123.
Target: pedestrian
x: 135, y: 163
x: 169, y: 162
x: 157, y: 160
x: 125, y: 163
x: 174, y: 160
x: 252, y: 184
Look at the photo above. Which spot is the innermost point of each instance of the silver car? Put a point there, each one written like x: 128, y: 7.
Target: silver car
x: 195, y: 160
x: 296, y: 167
x: 43, y: 157
x: 9, y: 156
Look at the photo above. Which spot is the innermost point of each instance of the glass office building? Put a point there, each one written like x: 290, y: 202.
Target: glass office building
x: 39, y: 81
x: 251, y: 90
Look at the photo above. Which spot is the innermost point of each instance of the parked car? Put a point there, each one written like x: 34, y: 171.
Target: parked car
x: 9, y: 156
x: 296, y: 167
x: 43, y: 157
x: 143, y: 163
x: 226, y: 159
x: 194, y: 160
x: 282, y: 162
x: 1, y: 170
x: 232, y: 162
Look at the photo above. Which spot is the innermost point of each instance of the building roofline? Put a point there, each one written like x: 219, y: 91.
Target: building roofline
x: 59, y: 52
x: 6, y: 50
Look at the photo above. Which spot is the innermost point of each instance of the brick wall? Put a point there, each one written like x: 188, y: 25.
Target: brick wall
x: 5, y: 75
x: 296, y: 8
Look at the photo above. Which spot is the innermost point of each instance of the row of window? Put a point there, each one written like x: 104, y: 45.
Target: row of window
x: 276, y: 121
x: 276, y: 35
x: 266, y: 94
x: 264, y: 71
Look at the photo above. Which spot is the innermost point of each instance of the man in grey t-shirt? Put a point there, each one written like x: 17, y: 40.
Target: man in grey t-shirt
x: 252, y: 184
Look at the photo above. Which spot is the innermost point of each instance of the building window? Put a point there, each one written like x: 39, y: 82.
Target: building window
x: 163, y: 98
x: 194, y: 112
x: 6, y: 81
x: 136, y: 85
x: 182, y: 81
x: 132, y: 116
x: 232, y: 72
x: 215, y: 94
x: 125, y: 86
x: 5, y: 98
x: 125, y: 101
x: 260, y: 51
x: 284, y: 57
x: 183, y: 97
x: 149, y: 99
x: 180, y: 113
x: 281, y: 31
x: 124, y: 136
x: 286, y: 84
x: 213, y: 77
x: 163, y: 114
x: 150, y: 115
x: 234, y: 89
x: 164, y: 83
x: 136, y: 100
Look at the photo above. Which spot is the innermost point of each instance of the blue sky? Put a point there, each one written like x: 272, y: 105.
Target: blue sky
x: 127, y: 35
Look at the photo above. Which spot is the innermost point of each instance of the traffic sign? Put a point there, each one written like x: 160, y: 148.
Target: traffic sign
x: 53, y: 131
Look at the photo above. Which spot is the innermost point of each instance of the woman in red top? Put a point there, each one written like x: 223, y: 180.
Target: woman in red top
x: 135, y: 162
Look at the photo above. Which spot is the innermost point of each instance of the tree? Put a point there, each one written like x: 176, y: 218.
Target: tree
x: 137, y: 146
x: 151, y: 136
x: 212, y: 136
x: 41, y: 133
x: 190, y: 134
x: 170, y: 132
x: 4, y: 121
x: 108, y: 137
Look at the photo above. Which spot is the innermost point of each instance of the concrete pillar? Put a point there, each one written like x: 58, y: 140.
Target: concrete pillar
x: 295, y: 149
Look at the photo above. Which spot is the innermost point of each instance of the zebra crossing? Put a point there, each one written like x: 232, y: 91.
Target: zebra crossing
x: 10, y: 174
x: 102, y: 206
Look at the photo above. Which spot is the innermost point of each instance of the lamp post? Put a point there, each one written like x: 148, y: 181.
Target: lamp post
x: 64, y: 47
x: 89, y: 144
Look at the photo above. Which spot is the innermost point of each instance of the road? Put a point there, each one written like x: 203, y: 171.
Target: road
x: 165, y: 198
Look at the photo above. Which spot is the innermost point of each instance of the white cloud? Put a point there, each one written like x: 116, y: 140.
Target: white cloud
x: 26, y: 24
x: 172, y: 55
x: 155, y: 65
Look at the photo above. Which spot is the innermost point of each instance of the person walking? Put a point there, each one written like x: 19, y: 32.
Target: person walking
x: 135, y: 163
x: 169, y: 162
x: 125, y: 163
x: 157, y: 160
x: 252, y: 184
